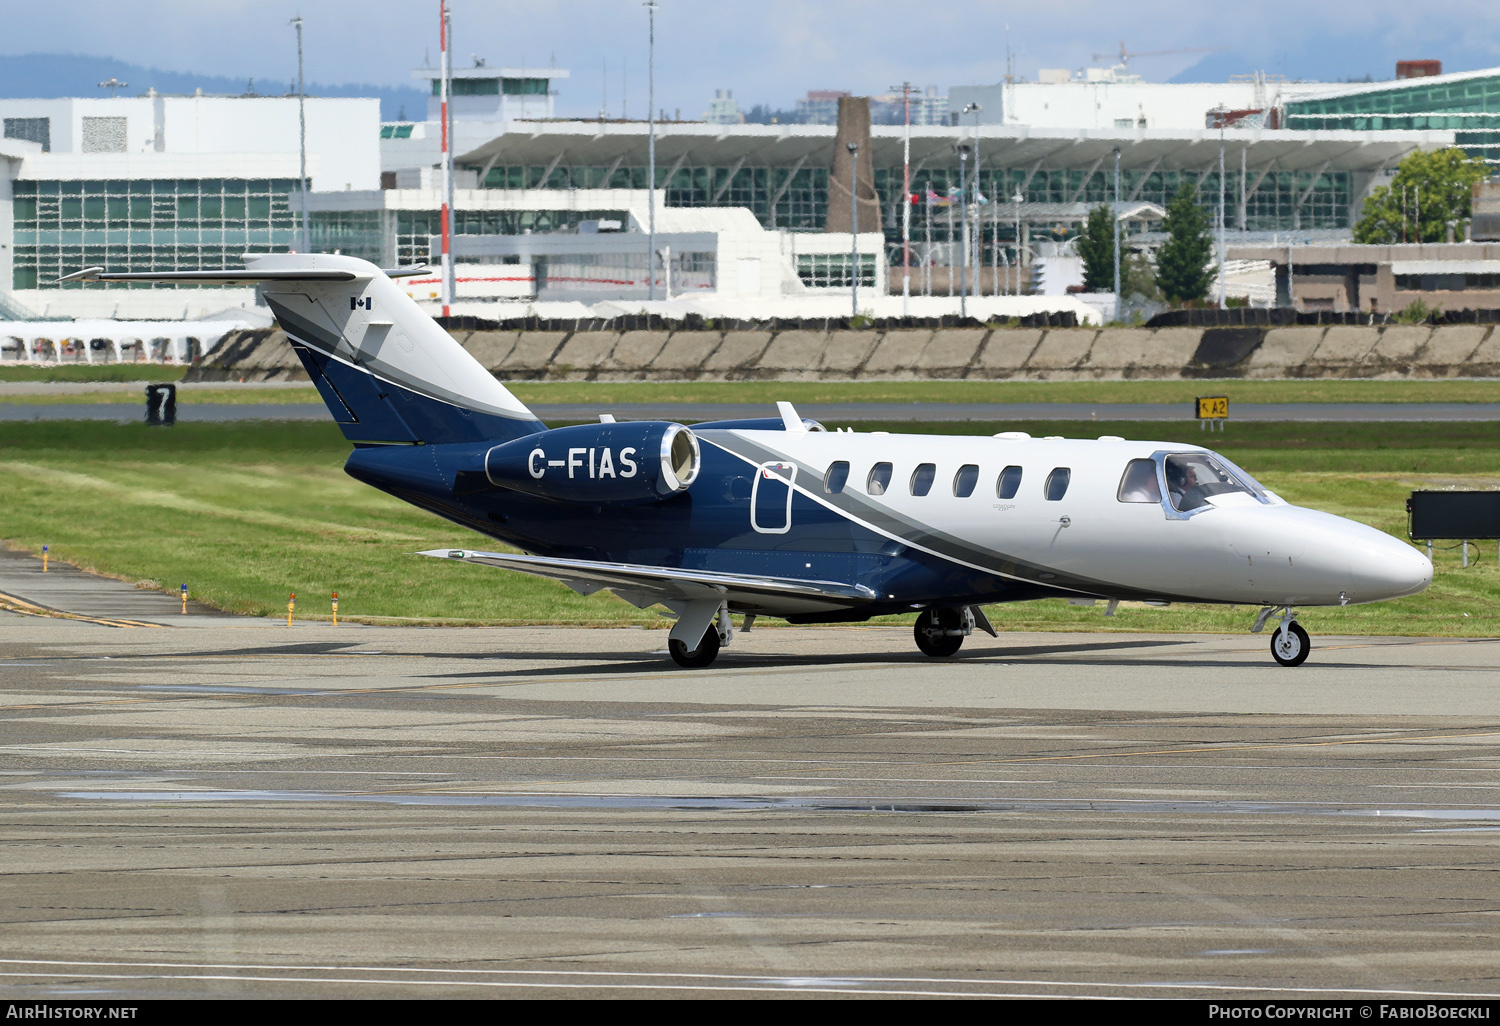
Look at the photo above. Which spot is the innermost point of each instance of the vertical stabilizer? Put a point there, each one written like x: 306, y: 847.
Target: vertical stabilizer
x: 387, y: 371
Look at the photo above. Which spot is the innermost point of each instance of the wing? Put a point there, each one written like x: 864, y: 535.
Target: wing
x: 647, y: 585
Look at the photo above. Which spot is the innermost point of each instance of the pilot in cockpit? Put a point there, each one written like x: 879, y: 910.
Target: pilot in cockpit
x: 1183, y: 486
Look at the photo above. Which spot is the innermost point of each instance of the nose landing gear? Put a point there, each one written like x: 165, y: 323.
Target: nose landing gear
x: 1289, y: 642
x: 1290, y: 645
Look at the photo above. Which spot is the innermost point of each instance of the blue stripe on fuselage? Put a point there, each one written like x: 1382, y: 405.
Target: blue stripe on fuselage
x: 706, y: 528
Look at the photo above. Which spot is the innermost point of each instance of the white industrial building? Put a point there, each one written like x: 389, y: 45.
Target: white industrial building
x: 158, y: 182
x: 1104, y: 98
x: 163, y: 182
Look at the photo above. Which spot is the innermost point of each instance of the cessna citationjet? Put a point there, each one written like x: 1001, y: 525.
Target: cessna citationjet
x: 779, y: 517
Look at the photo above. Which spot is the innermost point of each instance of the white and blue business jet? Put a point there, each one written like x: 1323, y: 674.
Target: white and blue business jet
x: 779, y: 517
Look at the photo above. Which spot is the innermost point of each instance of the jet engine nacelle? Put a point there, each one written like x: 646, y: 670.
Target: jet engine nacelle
x: 639, y: 462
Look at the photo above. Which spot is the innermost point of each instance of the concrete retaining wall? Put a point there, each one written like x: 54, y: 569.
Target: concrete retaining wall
x: 1036, y: 354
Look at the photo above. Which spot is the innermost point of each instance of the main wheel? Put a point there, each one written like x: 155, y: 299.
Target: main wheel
x: 706, y: 652
x: 1290, y: 645
x: 932, y: 632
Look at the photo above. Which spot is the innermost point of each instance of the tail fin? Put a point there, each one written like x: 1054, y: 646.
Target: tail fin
x: 387, y: 372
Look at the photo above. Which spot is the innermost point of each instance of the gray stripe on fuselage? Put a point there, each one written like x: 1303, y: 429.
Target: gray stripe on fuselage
x: 886, y: 521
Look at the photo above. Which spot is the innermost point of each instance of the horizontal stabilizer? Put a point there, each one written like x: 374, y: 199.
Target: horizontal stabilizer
x: 231, y: 276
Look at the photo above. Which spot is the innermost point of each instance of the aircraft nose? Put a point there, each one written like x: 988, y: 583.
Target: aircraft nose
x: 1382, y: 567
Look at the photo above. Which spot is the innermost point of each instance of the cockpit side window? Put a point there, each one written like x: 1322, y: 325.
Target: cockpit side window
x: 1193, y: 478
x: 1138, y: 483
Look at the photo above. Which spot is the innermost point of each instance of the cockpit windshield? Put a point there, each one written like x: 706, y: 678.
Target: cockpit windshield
x: 1193, y: 478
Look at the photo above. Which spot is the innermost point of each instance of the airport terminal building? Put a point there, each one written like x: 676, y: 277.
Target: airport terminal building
x: 159, y: 182
x: 163, y: 182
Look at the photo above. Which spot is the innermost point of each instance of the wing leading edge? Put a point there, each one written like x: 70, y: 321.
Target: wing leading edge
x: 647, y: 585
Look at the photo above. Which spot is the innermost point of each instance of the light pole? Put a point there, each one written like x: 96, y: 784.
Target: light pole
x: 1117, y: 233
x: 854, y: 229
x: 1223, y: 250
x: 976, y: 110
x: 446, y: 31
x: 302, y: 129
x: 650, y: 6
x: 963, y: 198
x: 906, y: 206
x: 1017, y: 198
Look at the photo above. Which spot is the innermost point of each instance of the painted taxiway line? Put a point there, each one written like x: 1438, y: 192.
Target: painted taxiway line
x: 15, y: 604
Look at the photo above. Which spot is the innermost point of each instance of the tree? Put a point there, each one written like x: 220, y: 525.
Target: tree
x: 1097, y: 247
x: 1138, y: 278
x: 1182, y: 264
x: 1428, y: 191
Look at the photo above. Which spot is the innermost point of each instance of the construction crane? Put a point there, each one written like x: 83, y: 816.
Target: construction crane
x: 1125, y: 55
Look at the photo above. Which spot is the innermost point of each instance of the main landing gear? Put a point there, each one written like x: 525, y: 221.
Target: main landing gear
x: 941, y: 630
x: 717, y: 632
x: 1289, y: 642
x: 706, y: 652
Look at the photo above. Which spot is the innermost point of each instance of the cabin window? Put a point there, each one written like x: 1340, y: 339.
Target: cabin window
x: 879, y: 479
x: 1138, y: 483
x: 836, y: 478
x: 1057, y: 484
x: 965, y: 480
x: 1008, y: 483
x: 1194, y: 478
x: 922, y: 478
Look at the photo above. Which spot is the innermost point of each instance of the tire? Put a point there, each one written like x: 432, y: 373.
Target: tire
x: 1290, y: 645
x: 704, y: 655
x: 930, y: 633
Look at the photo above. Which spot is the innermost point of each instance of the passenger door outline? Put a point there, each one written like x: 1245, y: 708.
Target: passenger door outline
x: 785, y: 475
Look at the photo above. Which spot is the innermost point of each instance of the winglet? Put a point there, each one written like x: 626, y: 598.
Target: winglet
x: 790, y: 418
x: 87, y: 274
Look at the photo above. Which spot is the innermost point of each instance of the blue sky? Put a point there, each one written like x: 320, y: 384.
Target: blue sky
x: 772, y: 51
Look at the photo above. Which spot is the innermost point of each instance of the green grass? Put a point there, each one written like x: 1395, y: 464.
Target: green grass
x: 246, y: 513
x: 1449, y: 390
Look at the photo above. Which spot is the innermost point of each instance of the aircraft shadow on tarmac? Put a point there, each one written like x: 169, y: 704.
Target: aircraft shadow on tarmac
x: 575, y: 663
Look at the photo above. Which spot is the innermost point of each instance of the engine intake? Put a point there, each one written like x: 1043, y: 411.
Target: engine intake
x: 631, y: 463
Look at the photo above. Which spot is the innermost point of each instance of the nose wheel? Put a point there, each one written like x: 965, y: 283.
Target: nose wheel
x: 1290, y: 644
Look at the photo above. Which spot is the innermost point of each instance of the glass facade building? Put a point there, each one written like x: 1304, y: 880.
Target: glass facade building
x: 403, y: 236
x: 1467, y: 105
x: 780, y: 197
x: 145, y: 225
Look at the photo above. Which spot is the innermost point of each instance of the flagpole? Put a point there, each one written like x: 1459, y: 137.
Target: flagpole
x: 446, y: 216
x: 906, y: 208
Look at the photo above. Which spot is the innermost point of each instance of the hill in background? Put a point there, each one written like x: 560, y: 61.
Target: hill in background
x: 52, y: 75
